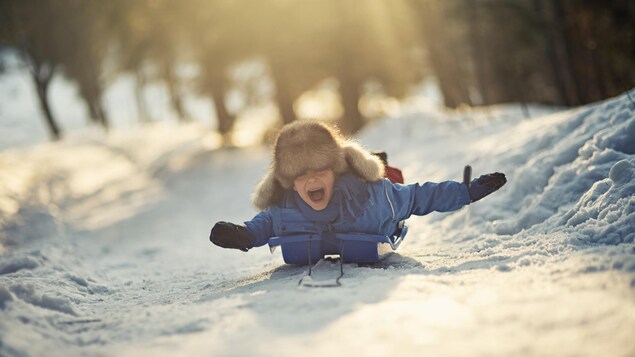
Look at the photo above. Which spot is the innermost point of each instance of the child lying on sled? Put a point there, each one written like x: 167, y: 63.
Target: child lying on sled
x: 320, y: 182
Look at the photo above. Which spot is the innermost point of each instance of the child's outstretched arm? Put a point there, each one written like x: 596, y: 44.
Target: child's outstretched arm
x: 253, y: 234
x: 421, y: 199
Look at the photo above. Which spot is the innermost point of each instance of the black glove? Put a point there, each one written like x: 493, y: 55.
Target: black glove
x: 229, y: 235
x: 485, y: 185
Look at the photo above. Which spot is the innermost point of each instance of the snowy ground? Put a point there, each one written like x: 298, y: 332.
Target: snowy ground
x: 104, y: 247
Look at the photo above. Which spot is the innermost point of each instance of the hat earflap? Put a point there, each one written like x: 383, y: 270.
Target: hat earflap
x: 369, y: 167
x: 268, y: 192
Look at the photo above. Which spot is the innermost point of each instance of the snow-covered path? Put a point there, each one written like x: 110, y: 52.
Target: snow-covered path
x: 105, y: 248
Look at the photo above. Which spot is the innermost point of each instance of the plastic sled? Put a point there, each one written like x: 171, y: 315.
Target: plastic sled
x: 303, y: 249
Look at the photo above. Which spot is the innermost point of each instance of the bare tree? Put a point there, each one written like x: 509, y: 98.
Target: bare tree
x: 35, y: 30
x: 84, y: 51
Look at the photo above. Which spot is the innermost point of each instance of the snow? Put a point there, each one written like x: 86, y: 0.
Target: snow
x: 104, y: 248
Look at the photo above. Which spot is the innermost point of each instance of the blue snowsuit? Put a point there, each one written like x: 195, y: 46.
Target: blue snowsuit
x: 357, y: 207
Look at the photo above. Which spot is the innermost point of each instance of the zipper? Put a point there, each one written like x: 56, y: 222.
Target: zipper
x: 389, y: 201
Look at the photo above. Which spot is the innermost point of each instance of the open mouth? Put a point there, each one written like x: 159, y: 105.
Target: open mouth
x: 316, y: 195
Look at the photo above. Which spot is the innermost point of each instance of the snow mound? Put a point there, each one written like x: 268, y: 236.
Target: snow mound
x: 606, y: 212
x: 14, y: 264
x: 577, y: 176
x: 568, y: 172
x: 570, y: 183
x: 29, y: 293
x: 5, y: 296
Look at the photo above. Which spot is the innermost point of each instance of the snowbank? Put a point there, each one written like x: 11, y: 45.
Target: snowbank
x: 105, y: 251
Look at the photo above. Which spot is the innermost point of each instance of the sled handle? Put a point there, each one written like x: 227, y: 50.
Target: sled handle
x: 467, y: 175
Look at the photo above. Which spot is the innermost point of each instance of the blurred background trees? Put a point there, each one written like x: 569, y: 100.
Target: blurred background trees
x: 479, y: 52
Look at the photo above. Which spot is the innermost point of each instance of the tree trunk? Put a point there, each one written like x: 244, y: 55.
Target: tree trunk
x: 346, y: 72
x: 91, y: 93
x: 443, y: 61
x: 42, y: 89
x: 551, y: 54
x: 225, y: 119
x: 477, y: 56
x: 567, y: 65
x: 142, y: 110
x: 352, y: 120
x: 42, y: 75
x: 101, y: 113
x: 284, y: 99
x: 92, y: 110
x: 453, y: 89
x: 176, y: 99
x: 285, y: 104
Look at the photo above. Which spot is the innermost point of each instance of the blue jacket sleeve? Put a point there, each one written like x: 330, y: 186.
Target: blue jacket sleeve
x: 421, y: 199
x: 261, y: 228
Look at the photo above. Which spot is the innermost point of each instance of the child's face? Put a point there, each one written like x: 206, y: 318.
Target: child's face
x: 315, y: 187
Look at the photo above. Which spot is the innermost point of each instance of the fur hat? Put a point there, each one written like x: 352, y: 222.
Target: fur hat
x: 311, y: 145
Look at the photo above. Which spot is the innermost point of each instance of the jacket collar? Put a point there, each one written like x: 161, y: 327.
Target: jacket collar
x: 350, y: 198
